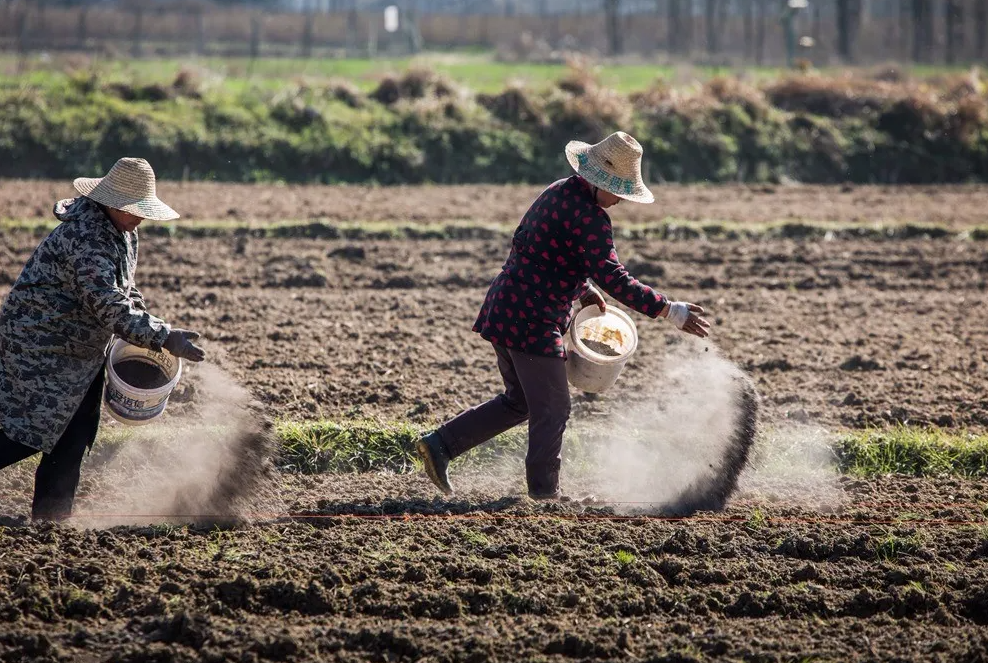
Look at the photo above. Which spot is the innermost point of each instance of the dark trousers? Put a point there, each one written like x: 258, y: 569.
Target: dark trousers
x: 57, y: 477
x: 535, y: 388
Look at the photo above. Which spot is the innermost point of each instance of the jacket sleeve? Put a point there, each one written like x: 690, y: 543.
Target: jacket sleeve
x: 137, y: 297
x: 95, y: 273
x: 607, y: 271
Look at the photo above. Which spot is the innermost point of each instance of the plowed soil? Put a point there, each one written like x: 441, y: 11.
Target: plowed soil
x: 376, y: 567
x: 951, y: 206
x: 488, y: 578
x: 841, y: 333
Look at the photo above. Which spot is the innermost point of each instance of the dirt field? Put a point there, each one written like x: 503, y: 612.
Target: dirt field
x: 843, y: 333
x: 836, y: 333
x: 505, y: 580
x: 950, y: 206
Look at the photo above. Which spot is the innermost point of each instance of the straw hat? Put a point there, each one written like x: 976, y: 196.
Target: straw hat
x: 129, y: 187
x: 614, y: 164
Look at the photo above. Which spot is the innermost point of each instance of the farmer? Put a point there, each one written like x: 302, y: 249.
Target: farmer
x: 564, y: 239
x: 76, y: 291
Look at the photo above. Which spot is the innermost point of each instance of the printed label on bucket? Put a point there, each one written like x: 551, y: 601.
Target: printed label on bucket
x: 132, y: 408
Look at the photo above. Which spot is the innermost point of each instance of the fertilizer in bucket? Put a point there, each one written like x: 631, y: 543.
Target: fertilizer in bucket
x: 139, y: 382
x: 598, y: 345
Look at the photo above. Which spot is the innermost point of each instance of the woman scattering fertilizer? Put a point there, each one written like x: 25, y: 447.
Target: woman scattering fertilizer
x: 73, y: 295
x: 563, y: 240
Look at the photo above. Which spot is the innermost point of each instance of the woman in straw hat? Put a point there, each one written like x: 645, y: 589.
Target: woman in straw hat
x: 563, y: 240
x: 75, y: 292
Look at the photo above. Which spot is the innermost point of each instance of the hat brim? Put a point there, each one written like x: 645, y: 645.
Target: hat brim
x: 150, y: 208
x: 639, y: 193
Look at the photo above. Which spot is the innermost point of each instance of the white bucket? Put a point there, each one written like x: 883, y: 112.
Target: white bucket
x: 132, y: 405
x: 591, y: 371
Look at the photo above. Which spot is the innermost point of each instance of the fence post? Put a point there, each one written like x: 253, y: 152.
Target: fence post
x: 138, y: 30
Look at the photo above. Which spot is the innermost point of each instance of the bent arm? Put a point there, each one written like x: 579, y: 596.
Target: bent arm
x: 95, y: 277
x: 607, y: 271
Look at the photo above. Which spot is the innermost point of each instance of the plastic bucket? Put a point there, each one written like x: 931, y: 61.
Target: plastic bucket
x: 587, y: 369
x: 131, y: 404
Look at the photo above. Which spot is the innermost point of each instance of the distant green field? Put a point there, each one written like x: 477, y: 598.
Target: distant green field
x: 479, y: 72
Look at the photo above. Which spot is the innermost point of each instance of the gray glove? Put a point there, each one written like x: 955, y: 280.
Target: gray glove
x: 179, y: 343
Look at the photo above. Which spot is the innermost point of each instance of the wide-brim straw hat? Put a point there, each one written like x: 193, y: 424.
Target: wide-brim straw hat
x: 129, y: 187
x: 614, y: 165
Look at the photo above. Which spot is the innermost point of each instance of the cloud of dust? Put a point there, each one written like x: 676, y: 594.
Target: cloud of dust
x: 682, y: 448
x: 794, y: 464
x: 213, y: 464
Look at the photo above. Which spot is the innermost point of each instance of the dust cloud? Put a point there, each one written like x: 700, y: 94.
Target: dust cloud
x: 683, y: 447
x: 212, y: 463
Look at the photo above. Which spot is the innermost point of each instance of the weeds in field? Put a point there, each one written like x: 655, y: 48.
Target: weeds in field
x: 892, y: 547
x: 624, y: 558
x: 475, y: 538
x: 757, y: 520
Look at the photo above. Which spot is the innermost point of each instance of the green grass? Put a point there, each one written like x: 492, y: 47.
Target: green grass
x: 914, y: 452
x: 312, y: 447
x: 668, y: 229
x: 344, y: 447
x: 478, y: 71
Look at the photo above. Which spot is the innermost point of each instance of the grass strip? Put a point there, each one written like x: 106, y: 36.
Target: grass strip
x: 669, y: 229
x: 913, y: 452
x: 315, y: 447
x: 359, y: 447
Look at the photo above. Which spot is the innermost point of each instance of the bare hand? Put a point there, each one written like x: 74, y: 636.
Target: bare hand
x: 593, y: 298
x: 686, y: 317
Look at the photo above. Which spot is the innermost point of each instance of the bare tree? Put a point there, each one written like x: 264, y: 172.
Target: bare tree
x: 981, y: 27
x: 922, y: 30
x: 848, y: 24
x: 954, y: 15
x: 760, y: 31
x: 710, y: 18
x: 611, y: 10
x: 748, y: 10
x: 674, y: 27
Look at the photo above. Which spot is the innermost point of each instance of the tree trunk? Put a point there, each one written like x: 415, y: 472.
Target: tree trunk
x: 904, y: 23
x: 760, y: 31
x: 711, y: 20
x: 954, y: 16
x: 748, y: 7
x: 612, y: 7
x: 674, y: 27
x: 844, y: 30
x: 82, y: 31
x: 137, y: 45
x: 981, y: 27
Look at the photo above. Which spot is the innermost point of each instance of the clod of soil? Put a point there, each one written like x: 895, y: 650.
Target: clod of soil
x: 141, y: 374
x: 600, y: 348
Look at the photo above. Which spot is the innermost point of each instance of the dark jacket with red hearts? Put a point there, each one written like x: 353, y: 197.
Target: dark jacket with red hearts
x: 564, y: 239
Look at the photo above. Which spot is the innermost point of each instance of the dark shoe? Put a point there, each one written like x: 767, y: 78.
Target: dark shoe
x: 434, y: 457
